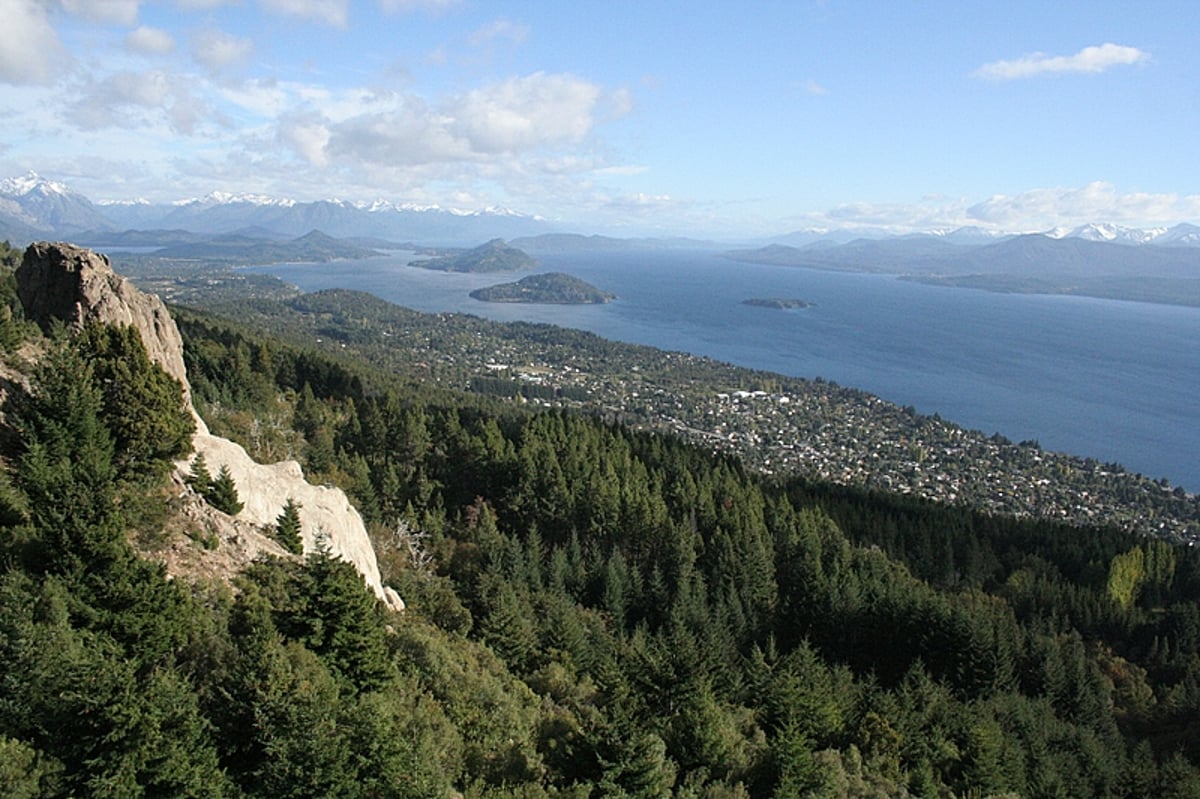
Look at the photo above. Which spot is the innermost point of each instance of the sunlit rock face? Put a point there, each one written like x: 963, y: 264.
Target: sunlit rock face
x: 74, y: 285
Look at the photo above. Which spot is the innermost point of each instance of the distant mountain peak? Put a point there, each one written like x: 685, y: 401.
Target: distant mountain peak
x: 29, y: 183
x: 1116, y: 234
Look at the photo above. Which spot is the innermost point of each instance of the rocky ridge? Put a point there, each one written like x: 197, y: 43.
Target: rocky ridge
x: 71, y: 284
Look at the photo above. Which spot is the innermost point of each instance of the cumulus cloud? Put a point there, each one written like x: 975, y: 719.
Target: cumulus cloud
x: 27, y: 30
x: 308, y: 136
x: 136, y: 100
x: 217, y: 50
x: 525, y: 112
x: 117, y: 12
x: 407, y: 134
x: 333, y: 12
x: 150, y: 41
x: 1088, y: 60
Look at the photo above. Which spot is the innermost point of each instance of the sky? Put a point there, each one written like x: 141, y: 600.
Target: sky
x: 657, y: 116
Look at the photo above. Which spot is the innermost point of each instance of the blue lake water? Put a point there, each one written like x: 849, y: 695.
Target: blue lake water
x: 1117, y: 381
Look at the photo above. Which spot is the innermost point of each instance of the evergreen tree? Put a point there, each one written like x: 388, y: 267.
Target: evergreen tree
x: 198, y: 476
x: 287, y: 528
x: 222, y: 494
x: 143, y: 405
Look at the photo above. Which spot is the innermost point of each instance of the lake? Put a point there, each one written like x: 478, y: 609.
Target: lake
x: 1117, y: 381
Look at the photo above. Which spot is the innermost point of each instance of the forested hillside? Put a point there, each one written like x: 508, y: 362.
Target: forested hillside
x: 592, y: 611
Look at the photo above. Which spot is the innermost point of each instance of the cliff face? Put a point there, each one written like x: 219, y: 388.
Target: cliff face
x: 74, y: 285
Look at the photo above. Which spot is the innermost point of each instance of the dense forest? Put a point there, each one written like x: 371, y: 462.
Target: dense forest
x: 592, y: 611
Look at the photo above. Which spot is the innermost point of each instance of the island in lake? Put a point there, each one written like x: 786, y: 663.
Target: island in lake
x: 554, y: 288
x: 778, y: 303
x: 495, y: 256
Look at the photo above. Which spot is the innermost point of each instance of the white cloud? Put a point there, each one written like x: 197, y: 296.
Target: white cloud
x: 27, y: 31
x: 153, y: 103
x: 1031, y: 211
x: 521, y: 113
x: 500, y: 29
x: 1042, y: 209
x: 307, y: 135
x: 218, y: 50
x: 1089, y: 59
x: 117, y: 12
x: 407, y: 134
x: 333, y: 12
x: 150, y: 41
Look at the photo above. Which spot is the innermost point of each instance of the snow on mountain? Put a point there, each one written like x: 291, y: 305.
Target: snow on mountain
x: 33, y: 205
x: 226, y: 198
x: 970, y: 234
x: 1182, y: 235
x: 29, y: 183
x: 47, y: 206
x: 1115, y: 234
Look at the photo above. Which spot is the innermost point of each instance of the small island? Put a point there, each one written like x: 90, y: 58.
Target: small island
x: 495, y: 256
x: 551, y: 288
x: 778, y: 303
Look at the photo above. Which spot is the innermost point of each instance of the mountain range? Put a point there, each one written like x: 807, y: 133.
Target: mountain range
x: 32, y: 207
x: 1028, y: 264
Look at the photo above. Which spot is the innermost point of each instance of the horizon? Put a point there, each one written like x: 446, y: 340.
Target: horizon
x: 625, y: 120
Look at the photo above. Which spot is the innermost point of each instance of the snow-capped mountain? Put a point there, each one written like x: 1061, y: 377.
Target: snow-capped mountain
x: 47, y: 206
x: 1182, y: 235
x: 222, y: 212
x: 32, y: 207
x: 1114, y: 234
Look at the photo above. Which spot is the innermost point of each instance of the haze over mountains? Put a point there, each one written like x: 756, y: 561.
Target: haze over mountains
x: 34, y: 207
x: 1160, y: 265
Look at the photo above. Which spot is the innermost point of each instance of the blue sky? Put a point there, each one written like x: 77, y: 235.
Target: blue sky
x: 698, y: 118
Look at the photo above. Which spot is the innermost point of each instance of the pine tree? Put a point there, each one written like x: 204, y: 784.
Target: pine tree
x: 222, y: 494
x: 199, y: 477
x: 287, y: 528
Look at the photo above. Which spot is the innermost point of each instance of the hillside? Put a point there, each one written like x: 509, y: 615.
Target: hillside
x: 593, y: 611
x: 555, y: 288
x: 1028, y: 264
x: 494, y: 256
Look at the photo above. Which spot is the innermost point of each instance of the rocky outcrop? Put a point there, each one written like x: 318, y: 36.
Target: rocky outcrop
x: 74, y: 285
x: 325, y: 512
x: 69, y: 284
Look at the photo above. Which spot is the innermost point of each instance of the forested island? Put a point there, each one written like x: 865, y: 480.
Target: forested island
x: 777, y: 303
x: 554, y: 288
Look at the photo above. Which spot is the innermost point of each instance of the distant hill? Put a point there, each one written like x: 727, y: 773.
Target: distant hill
x: 494, y: 256
x: 1034, y: 263
x: 552, y: 288
x: 238, y: 248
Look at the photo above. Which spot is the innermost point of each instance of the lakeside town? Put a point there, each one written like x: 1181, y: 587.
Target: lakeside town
x: 776, y: 424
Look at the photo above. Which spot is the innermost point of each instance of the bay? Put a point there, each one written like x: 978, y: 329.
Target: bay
x: 1116, y: 381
